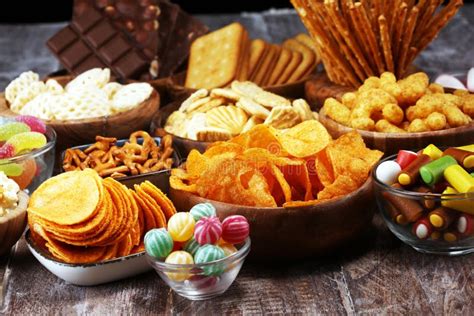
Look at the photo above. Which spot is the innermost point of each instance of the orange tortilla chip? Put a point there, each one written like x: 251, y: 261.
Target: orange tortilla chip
x: 342, y: 186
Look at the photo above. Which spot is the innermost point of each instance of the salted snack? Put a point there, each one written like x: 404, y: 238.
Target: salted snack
x: 222, y: 113
x: 410, y: 105
x: 432, y: 194
x: 196, y: 242
x: 358, y: 40
x: 227, y: 54
x: 89, y: 95
x: 268, y: 167
x: 79, y: 217
x: 139, y: 155
x: 9, y: 194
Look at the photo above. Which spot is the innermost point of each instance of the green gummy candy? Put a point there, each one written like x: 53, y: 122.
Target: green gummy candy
x: 11, y: 169
x: 24, y: 142
x: 10, y: 129
x: 432, y: 172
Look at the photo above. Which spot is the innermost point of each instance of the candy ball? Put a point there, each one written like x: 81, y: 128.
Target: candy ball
x: 235, y: 229
x: 179, y: 257
x: 208, y: 230
x: 158, y: 243
x: 181, y: 226
x: 208, y: 253
x: 203, y: 210
x: 191, y: 246
x: 228, y: 249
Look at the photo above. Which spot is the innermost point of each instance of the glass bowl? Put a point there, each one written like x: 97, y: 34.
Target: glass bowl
x: 455, y: 239
x: 202, y: 281
x: 31, y: 169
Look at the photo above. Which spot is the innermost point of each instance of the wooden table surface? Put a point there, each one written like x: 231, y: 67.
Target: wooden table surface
x: 379, y: 275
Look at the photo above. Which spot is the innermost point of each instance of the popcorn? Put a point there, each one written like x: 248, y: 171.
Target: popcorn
x: 8, y: 194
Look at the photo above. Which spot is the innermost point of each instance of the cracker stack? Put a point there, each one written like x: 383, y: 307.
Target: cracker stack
x: 227, y: 54
x: 357, y: 40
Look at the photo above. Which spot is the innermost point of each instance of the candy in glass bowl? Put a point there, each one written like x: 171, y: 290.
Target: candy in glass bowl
x: 197, y: 255
x: 427, y: 198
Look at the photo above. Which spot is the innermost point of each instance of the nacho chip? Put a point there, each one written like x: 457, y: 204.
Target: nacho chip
x: 342, y: 186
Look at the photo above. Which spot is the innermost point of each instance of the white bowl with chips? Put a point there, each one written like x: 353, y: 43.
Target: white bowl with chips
x: 92, y: 273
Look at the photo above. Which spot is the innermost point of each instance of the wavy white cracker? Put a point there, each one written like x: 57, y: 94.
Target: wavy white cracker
x: 199, y: 94
x: 230, y: 118
x: 282, y: 117
x: 97, y: 77
x: 20, y: 83
x: 253, y: 108
x: 131, y: 96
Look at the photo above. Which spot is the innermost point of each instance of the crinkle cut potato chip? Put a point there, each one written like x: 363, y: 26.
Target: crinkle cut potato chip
x: 111, y: 224
x: 265, y: 167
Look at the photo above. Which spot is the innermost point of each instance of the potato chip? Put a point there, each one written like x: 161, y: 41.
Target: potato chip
x: 179, y: 184
x: 342, y: 186
x: 303, y: 140
x: 196, y: 163
x: 260, y: 137
x: 285, y: 187
x: 298, y: 179
x: 152, y: 205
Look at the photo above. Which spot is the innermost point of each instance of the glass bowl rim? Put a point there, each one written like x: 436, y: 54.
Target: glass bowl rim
x: 403, y: 192
x: 240, y: 254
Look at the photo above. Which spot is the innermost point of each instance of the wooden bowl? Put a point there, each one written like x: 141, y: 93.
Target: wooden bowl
x: 300, y: 232
x: 176, y: 91
x: 391, y: 143
x: 182, y: 145
x: 13, y: 224
x: 83, y: 131
x: 319, y: 88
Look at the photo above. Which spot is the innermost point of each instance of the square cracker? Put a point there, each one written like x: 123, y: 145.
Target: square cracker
x: 280, y: 66
x: 243, y: 72
x: 272, y: 66
x: 267, y: 62
x: 309, y: 58
x: 296, y: 58
x: 214, y: 58
x: 257, y: 50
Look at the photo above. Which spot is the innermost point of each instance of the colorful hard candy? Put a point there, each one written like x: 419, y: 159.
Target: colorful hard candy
x: 235, y: 229
x: 209, y: 253
x: 179, y: 257
x: 191, y: 246
x: 208, y: 230
x: 158, y: 243
x: 202, y: 210
x: 181, y: 226
x: 35, y: 124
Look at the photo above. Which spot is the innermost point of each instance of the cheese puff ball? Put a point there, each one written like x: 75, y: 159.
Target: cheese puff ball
x: 337, y: 111
x: 388, y: 83
x: 435, y: 88
x: 387, y: 77
x: 349, y: 99
x: 393, y: 113
x: 426, y: 105
x: 455, y: 116
x: 410, y: 113
x: 436, y: 121
x: 370, y: 83
x: 405, y: 125
x: 460, y: 92
x: 385, y: 126
x: 364, y: 123
x: 413, y: 88
x: 451, y: 99
x: 374, y: 100
x: 468, y: 105
x: 418, y: 126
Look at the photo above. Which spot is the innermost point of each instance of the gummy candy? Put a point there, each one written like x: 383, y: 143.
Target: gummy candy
x: 29, y: 172
x: 7, y: 151
x: 35, y: 124
x: 11, y: 169
x: 27, y: 141
x: 9, y: 129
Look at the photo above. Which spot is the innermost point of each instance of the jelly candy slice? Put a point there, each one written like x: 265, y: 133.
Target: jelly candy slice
x: 9, y: 129
x: 35, y: 124
x: 11, y: 169
x: 27, y: 175
x: 7, y: 151
x: 25, y: 142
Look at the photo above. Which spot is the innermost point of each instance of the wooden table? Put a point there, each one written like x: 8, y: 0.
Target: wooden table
x: 380, y: 275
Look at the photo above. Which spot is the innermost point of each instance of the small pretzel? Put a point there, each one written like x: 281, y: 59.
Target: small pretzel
x: 102, y: 143
x: 115, y: 170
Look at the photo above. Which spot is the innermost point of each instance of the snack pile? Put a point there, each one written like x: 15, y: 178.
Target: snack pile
x: 81, y: 218
x: 227, y: 54
x: 9, y: 194
x: 410, y: 105
x: 226, y: 112
x: 135, y: 39
x: 197, y: 237
x: 429, y: 171
x: 139, y: 155
x: 357, y: 40
x: 267, y: 167
x: 89, y: 95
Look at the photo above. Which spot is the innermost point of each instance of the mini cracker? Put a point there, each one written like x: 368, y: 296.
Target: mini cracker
x: 225, y: 93
x: 307, y: 62
x: 213, y: 134
x: 253, y: 108
x: 282, y: 117
x: 257, y: 49
x: 282, y: 62
x: 303, y: 109
x: 296, y: 59
x: 199, y: 94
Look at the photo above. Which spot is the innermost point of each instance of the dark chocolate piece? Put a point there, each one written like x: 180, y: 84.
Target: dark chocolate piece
x: 92, y: 41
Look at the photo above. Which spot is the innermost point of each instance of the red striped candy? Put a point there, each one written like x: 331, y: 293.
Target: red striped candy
x: 235, y: 229
x: 208, y: 230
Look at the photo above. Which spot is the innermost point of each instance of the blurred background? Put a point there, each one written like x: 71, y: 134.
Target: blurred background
x: 60, y: 10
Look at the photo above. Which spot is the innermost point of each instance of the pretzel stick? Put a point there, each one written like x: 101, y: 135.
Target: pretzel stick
x: 425, y: 19
x: 412, y: 53
x: 407, y: 37
x: 399, y: 29
x: 385, y: 39
x: 110, y: 171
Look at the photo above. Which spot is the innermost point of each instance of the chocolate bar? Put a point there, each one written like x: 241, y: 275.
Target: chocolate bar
x: 92, y: 41
x: 137, y: 19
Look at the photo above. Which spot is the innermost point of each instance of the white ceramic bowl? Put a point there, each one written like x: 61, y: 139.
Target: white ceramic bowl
x: 91, y: 273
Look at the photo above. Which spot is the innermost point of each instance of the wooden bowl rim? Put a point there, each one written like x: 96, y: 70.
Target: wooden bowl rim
x: 23, y: 199
x: 154, y: 97
x: 323, y: 118
x: 315, y: 208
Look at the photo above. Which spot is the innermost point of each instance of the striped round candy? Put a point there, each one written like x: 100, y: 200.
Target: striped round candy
x: 181, y: 226
x: 191, y: 246
x: 235, y: 229
x: 203, y: 210
x: 179, y: 257
x: 208, y: 253
x: 158, y: 243
x: 208, y: 230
